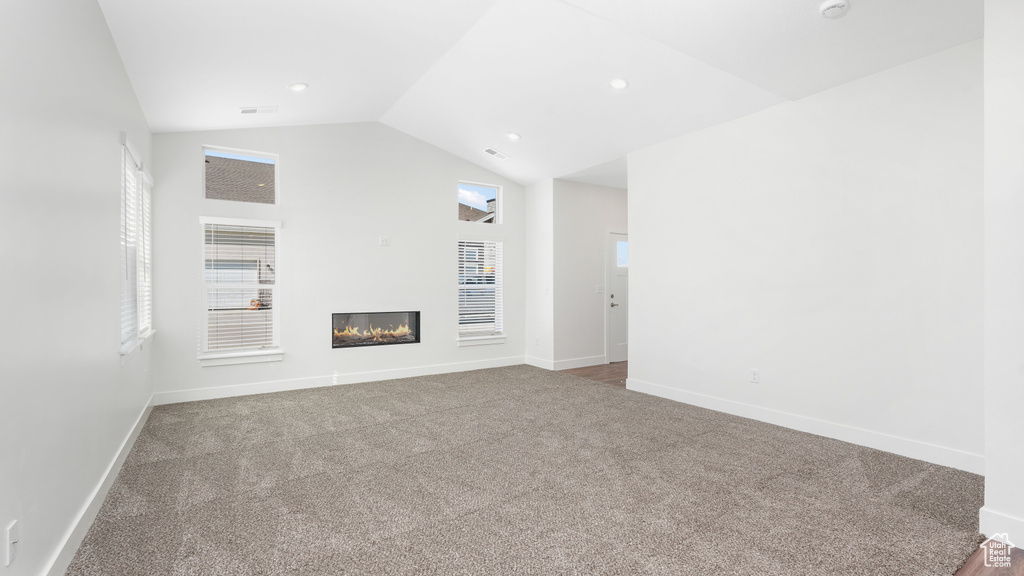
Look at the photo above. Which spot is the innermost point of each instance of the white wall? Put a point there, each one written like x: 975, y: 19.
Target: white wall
x: 340, y: 188
x: 835, y: 244
x: 540, y: 274
x: 584, y: 214
x: 1004, y: 273
x: 66, y: 403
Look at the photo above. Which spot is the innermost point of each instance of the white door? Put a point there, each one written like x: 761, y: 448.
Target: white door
x: 617, y: 297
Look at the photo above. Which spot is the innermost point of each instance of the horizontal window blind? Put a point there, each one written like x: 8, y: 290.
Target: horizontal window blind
x: 480, y: 288
x: 145, y: 281
x: 240, y: 276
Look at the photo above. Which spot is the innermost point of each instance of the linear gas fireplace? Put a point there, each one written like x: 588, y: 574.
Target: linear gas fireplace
x: 375, y: 329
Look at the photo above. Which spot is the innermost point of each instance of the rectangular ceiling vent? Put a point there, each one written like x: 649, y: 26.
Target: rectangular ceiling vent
x: 496, y: 154
x: 258, y: 110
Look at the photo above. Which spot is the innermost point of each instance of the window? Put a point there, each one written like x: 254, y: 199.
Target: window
x: 479, y: 203
x: 240, y: 176
x: 241, y: 320
x: 136, y: 253
x: 145, y: 271
x: 480, y: 293
x: 622, y: 254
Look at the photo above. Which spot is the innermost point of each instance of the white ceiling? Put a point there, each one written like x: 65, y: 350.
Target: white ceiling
x: 460, y: 74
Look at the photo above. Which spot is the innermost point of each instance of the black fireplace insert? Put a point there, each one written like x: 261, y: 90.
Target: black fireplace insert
x: 354, y: 329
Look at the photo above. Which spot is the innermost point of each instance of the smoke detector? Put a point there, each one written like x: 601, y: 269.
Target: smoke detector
x: 834, y: 8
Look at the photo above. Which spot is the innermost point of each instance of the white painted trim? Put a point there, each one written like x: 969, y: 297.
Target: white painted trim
x: 133, y: 151
x: 480, y: 340
x: 335, y: 379
x: 73, y: 538
x: 995, y: 522
x: 933, y: 453
x: 540, y: 363
x: 128, y: 350
x: 274, y: 355
x: 579, y: 362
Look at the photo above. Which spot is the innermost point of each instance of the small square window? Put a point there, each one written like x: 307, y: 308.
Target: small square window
x: 240, y: 176
x: 622, y: 254
x: 479, y: 203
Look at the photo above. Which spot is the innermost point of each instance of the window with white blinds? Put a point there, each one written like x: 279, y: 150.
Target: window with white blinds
x: 145, y: 271
x: 480, y: 289
x: 129, y: 247
x: 136, y: 253
x: 240, y: 283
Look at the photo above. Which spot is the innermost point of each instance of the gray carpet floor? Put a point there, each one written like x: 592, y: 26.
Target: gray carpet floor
x: 514, y: 471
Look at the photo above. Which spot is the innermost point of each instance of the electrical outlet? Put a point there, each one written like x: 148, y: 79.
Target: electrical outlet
x: 755, y: 376
x: 11, y: 538
x: 385, y: 241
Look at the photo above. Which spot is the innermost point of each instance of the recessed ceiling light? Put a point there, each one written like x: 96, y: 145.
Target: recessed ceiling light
x: 298, y: 87
x: 618, y: 83
x: 513, y: 136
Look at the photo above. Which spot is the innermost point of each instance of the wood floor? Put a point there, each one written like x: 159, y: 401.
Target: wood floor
x: 614, y: 374
x: 975, y: 565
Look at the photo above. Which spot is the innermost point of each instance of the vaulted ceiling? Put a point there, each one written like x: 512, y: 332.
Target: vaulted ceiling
x: 462, y: 74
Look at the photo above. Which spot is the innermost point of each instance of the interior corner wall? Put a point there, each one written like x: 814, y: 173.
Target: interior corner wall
x: 341, y: 187
x: 67, y: 405
x: 835, y: 244
x: 1004, y: 271
x: 540, y: 275
x: 584, y: 214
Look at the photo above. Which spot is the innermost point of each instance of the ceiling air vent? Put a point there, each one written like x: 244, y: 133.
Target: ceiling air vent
x: 496, y: 154
x: 258, y: 110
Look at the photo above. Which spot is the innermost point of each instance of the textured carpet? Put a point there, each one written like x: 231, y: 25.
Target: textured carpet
x: 514, y: 471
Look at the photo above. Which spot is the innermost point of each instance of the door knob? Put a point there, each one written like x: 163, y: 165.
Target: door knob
x: 614, y: 304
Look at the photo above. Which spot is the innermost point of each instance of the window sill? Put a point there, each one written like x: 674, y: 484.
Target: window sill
x: 248, y: 357
x: 481, y: 340
x: 128, y: 350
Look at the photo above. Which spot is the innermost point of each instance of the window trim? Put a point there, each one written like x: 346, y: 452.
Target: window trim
x: 228, y: 357
x: 268, y: 155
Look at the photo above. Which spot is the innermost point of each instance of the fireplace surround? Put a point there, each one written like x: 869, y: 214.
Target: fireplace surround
x: 357, y: 329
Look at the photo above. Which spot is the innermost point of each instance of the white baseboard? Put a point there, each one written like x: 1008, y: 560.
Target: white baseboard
x: 76, y: 533
x: 579, y: 362
x: 994, y: 522
x: 540, y: 363
x: 935, y: 454
x: 335, y: 379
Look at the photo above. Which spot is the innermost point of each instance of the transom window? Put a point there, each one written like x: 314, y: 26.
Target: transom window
x: 240, y: 176
x: 479, y: 203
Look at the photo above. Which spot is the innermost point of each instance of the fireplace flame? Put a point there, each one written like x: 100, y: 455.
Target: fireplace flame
x: 377, y: 334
